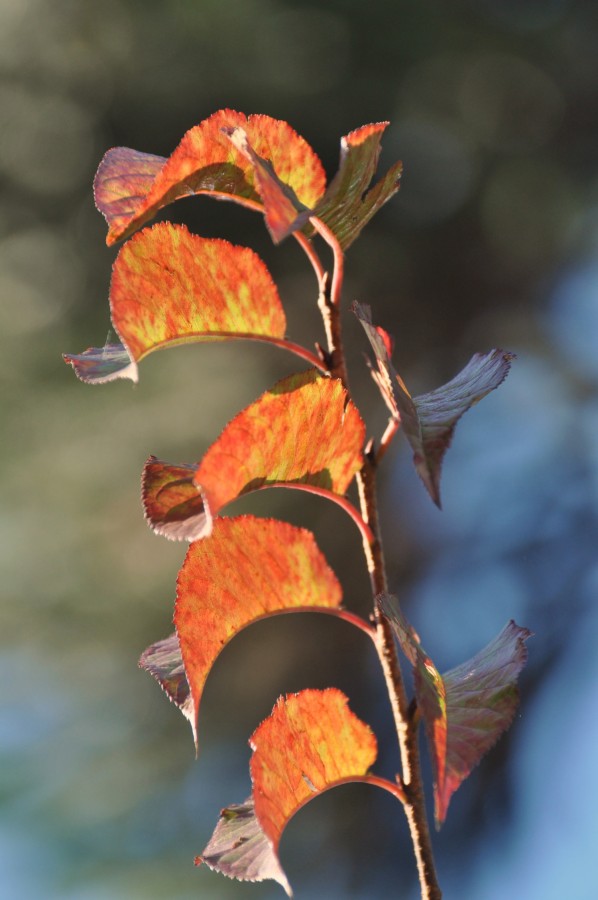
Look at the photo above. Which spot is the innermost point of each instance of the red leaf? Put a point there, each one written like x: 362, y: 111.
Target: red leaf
x: 247, y: 569
x: 239, y: 848
x: 130, y: 187
x: 467, y: 709
x: 350, y: 202
x: 311, y: 742
x: 171, y: 287
x: 284, y: 212
x: 429, y: 420
x: 304, y: 432
x: 269, y: 167
x: 164, y: 661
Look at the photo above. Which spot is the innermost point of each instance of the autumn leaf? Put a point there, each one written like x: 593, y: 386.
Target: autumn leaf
x: 302, y: 433
x: 163, y: 660
x: 130, y: 187
x: 248, y: 569
x: 284, y: 212
x: 171, y: 287
x: 429, y: 420
x: 467, y: 709
x: 311, y: 742
x: 349, y: 202
x: 257, y: 161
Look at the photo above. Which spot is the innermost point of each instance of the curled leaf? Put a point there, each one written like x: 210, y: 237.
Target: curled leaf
x: 349, y: 202
x: 283, y: 210
x: 171, y: 287
x: 467, y: 709
x: 430, y: 419
x: 247, y: 569
x: 130, y: 187
x: 257, y: 161
x: 174, y: 505
x: 311, y: 742
x: 304, y: 432
x: 163, y: 660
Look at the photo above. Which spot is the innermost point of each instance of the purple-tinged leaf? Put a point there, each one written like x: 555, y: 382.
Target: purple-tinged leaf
x: 163, y: 660
x: 430, y: 419
x: 467, y: 709
x: 131, y: 187
x: 174, y: 505
x: 349, y: 203
x: 239, y: 848
x: 97, y: 365
x: 122, y: 182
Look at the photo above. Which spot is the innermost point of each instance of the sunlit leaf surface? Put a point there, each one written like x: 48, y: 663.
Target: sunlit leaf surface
x: 467, y: 709
x: 130, y: 187
x: 310, y: 743
x: 430, y: 419
x: 257, y: 161
x: 247, y: 569
x: 283, y: 210
x: 304, y: 432
x: 171, y: 287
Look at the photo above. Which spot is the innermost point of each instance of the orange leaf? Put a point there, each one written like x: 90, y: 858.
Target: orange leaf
x: 304, y: 432
x: 309, y: 743
x: 171, y: 287
x: 130, y: 187
x: 247, y: 569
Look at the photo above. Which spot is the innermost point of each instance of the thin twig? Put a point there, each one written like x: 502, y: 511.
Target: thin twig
x: 406, y: 728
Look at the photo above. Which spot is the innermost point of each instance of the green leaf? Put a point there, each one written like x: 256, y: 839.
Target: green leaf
x: 467, y: 709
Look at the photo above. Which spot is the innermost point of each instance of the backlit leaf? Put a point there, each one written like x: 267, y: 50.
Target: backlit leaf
x: 171, y: 287
x: 246, y: 570
x: 311, y: 742
x: 283, y: 210
x: 467, y: 709
x: 304, y: 432
x: 267, y: 167
x: 349, y: 202
x: 430, y: 419
x: 130, y: 187
x: 239, y: 848
x: 164, y: 661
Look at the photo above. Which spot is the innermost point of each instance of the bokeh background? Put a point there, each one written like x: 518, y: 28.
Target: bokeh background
x: 490, y: 242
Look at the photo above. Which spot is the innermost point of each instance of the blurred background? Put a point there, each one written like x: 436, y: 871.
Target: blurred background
x: 490, y: 242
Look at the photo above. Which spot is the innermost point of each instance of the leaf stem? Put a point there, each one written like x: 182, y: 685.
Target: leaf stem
x: 411, y: 781
x: 339, y: 259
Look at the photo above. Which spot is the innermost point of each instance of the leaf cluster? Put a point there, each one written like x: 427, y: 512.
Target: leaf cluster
x: 171, y: 287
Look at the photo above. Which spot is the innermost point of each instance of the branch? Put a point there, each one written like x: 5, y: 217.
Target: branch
x: 411, y: 782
